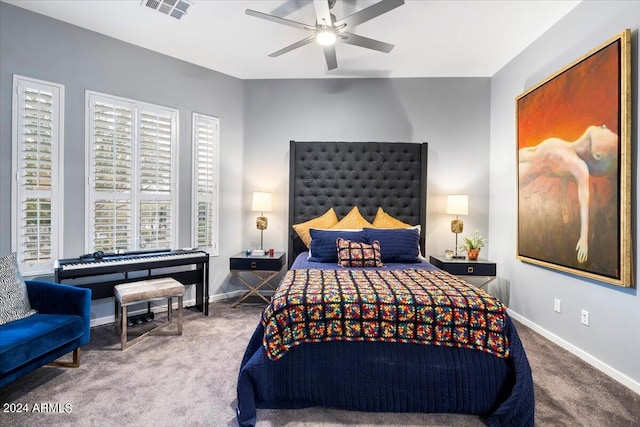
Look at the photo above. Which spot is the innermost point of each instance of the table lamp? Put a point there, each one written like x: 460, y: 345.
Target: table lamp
x: 457, y: 204
x: 262, y: 204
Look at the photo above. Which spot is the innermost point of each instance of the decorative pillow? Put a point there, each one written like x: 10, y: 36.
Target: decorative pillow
x: 352, y: 220
x: 14, y: 301
x: 384, y: 220
x: 355, y: 254
x: 326, y: 220
x: 323, y: 243
x: 397, y: 244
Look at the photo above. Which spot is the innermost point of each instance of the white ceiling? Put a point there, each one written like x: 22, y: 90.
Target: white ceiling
x: 472, y: 38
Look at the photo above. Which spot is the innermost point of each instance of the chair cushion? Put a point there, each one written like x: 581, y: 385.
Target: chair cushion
x: 29, y: 338
x: 14, y: 300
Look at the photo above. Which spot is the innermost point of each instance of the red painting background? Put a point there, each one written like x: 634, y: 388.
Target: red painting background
x: 586, y: 94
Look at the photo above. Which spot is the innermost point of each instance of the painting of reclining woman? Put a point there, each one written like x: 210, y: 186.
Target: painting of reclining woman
x: 574, y: 168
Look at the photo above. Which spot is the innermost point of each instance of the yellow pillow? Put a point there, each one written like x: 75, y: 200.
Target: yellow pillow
x: 352, y: 220
x: 326, y: 220
x: 384, y: 220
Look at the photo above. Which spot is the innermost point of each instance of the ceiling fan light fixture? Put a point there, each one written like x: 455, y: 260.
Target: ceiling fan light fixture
x: 327, y: 29
x: 326, y: 36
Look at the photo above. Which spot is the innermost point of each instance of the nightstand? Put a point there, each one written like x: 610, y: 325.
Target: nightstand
x: 478, y: 273
x: 264, y: 267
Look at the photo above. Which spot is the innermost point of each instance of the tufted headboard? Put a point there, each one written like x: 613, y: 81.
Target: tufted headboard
x: 391, y: 175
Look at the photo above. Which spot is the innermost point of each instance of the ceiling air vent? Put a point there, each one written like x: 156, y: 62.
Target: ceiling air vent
x: 174, y: 8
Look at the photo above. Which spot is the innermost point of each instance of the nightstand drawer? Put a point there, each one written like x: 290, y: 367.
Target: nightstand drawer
x: 470, y: 268
x: 264, y: 263
x: 464, y: 267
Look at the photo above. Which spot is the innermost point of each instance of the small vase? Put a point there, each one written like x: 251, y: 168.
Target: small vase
x: 472, y: 254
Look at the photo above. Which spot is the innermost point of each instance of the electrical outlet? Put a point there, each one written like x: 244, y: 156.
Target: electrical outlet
x: 584, y: 317
x: 557, y: 304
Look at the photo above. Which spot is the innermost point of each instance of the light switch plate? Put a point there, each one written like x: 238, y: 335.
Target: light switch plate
x: 557, y: 305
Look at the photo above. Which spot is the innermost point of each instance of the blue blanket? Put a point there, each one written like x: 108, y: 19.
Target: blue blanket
x: 389, y: 377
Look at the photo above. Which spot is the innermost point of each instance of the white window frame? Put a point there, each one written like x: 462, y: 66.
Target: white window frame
x: 213, y: 163
x: 136, y: 195
x: 18, y: 192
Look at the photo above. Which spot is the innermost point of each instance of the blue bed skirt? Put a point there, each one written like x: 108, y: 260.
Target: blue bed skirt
x: 389, y: 377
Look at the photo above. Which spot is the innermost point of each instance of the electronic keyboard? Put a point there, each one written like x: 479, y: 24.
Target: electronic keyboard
x: 138, y: 265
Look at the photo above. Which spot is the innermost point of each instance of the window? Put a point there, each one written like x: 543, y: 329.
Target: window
x: 206, y: 136
x: 36, y: 191
x: 132, y: 169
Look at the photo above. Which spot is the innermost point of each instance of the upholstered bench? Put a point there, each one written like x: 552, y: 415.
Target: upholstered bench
x: 145, y: 291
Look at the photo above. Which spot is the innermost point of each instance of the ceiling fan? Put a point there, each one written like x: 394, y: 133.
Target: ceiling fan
x: 328, y: 30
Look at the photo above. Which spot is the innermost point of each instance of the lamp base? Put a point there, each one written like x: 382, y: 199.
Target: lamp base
x: 261, y: 223
x: 260, y: 252
x: 457, y: 225
x: 458, y: 257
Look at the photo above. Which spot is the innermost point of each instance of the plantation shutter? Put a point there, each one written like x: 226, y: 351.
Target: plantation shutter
x: 111, y: 174
x: 132, y: 191
x: 205, y: 177
x: 157, y: 224
x: 37, y: 191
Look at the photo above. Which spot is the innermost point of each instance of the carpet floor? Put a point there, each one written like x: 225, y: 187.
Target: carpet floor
x: 190, y: 380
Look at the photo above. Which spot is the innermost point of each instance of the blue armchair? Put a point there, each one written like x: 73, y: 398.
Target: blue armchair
x: 61, y: 325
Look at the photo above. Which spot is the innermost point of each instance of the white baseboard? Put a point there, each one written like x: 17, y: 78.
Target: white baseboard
x: 596, y: 363
x: 226, y: 296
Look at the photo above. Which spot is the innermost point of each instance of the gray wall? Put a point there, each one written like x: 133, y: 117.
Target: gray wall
x: 451, y: 114
x: 613, y: 338
x: 79, y: 59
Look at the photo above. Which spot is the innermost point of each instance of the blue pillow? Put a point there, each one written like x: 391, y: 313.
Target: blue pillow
x: 323, y: 243
x: 396, y: 244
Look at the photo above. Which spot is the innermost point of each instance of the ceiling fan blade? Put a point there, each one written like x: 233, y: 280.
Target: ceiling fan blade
x: 369, y: 13
x: 293, y: 46
x: 279, y: 20
x: 322, y: 12
x: 357, y: 40
x: 330, y: 56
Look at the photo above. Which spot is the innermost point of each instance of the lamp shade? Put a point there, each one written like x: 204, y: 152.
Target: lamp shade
x: 261, y: 202
x: 458, y: 204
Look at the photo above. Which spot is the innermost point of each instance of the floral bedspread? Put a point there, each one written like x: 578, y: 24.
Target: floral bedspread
x: 413, y: 306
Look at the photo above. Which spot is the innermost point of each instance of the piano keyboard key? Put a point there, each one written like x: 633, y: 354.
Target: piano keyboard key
x: 126, y: 259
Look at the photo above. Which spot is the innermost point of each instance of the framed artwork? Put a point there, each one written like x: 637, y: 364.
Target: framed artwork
x: 574, y: 167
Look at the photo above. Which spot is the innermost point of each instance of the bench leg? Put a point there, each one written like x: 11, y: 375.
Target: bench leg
x: 180, y: 314
x: 76, y: 357
x: 123, y: 328
x: 116, y: 323
x: 73, y: 364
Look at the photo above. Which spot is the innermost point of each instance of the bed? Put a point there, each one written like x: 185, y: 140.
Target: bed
x: 356, y: 336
